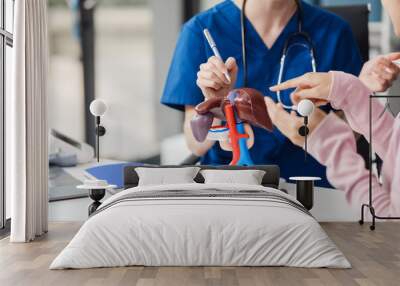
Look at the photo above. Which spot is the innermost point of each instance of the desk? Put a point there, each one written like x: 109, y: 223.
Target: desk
x: 75, y: 209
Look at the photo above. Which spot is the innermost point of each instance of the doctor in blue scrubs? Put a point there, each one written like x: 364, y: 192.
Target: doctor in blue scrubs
x: 195, y: 73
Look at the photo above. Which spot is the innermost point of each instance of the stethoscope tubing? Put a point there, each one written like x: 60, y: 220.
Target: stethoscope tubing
x: 285, y: 51
x: 280, y: 76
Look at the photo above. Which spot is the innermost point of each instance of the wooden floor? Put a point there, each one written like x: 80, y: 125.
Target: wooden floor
x: 375, y: 257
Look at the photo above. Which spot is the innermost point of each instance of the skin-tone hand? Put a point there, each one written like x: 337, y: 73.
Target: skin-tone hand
x: 393, y: 9
x: 211, y: 78
x: 313, y: 86
x: 226, y: 145
x: 212, y: 82
x: 379, y: 73
x: 289, y: 123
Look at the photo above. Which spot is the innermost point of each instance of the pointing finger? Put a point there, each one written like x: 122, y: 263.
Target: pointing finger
x: 393, y: 56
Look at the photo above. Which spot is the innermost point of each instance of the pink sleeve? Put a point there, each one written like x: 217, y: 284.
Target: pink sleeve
x: 352, y: 96
x: 333, y: 144
x: 391, y: 167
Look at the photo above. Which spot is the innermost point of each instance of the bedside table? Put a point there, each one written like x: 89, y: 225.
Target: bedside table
x: 305, y: 190
x: 97, y: 191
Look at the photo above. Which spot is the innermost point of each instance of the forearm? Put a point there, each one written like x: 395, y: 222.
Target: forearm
x: 349, y: 94
x: 333, y: 144
x: 197, y: 148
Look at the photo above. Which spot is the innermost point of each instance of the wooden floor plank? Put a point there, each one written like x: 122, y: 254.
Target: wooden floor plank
x: 375, y: 258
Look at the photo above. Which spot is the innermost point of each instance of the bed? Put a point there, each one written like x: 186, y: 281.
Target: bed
x: 197, y: 224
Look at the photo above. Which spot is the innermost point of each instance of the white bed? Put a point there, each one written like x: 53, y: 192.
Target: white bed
x: 205, y: 230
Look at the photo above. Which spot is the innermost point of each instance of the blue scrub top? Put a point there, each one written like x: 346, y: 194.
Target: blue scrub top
x: 335, y: 47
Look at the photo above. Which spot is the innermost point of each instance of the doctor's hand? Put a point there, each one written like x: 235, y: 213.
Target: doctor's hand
x: 313, y: 86
x: 379, y: 73
x: 227, y: 146
x: 211, y: 78
x: 289, y: 123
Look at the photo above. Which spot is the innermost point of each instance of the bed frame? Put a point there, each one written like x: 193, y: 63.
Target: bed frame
x: 270, y: 179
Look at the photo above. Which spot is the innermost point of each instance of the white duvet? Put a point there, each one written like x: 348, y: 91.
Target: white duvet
x: 200, y: 231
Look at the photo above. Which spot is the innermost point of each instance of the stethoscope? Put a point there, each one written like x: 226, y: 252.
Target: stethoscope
x: 305, y: 107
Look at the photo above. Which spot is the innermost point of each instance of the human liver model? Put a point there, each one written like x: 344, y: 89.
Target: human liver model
x: 244, y: 105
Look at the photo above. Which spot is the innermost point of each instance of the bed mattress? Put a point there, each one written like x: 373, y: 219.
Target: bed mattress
x: 201, y: 225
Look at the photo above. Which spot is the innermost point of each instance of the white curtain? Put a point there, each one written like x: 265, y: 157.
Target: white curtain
x: 26, y: 123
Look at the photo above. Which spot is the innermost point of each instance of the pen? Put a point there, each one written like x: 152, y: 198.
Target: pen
x: 213, y: 47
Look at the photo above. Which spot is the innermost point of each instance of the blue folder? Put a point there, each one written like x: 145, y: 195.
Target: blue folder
x: 112, y: 173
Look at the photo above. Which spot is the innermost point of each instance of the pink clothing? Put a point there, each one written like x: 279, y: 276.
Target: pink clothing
x: 333, y: 144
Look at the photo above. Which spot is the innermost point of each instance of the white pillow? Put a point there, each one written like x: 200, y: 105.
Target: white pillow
x: 166, y: 176
x: 246, y: 177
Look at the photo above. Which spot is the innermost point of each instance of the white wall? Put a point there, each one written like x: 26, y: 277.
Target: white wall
x: 206, y: 4
x: 167, y: 24
x: 65, y: 100
x: 124, y: 79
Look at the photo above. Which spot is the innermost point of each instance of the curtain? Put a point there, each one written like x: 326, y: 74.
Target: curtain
x: 26, y: 123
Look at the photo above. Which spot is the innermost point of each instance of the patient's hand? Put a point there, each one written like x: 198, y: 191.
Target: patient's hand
x: 211, y: 78
x: 289, y: 123
x: 314, y: 86
x: 379, y: 73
